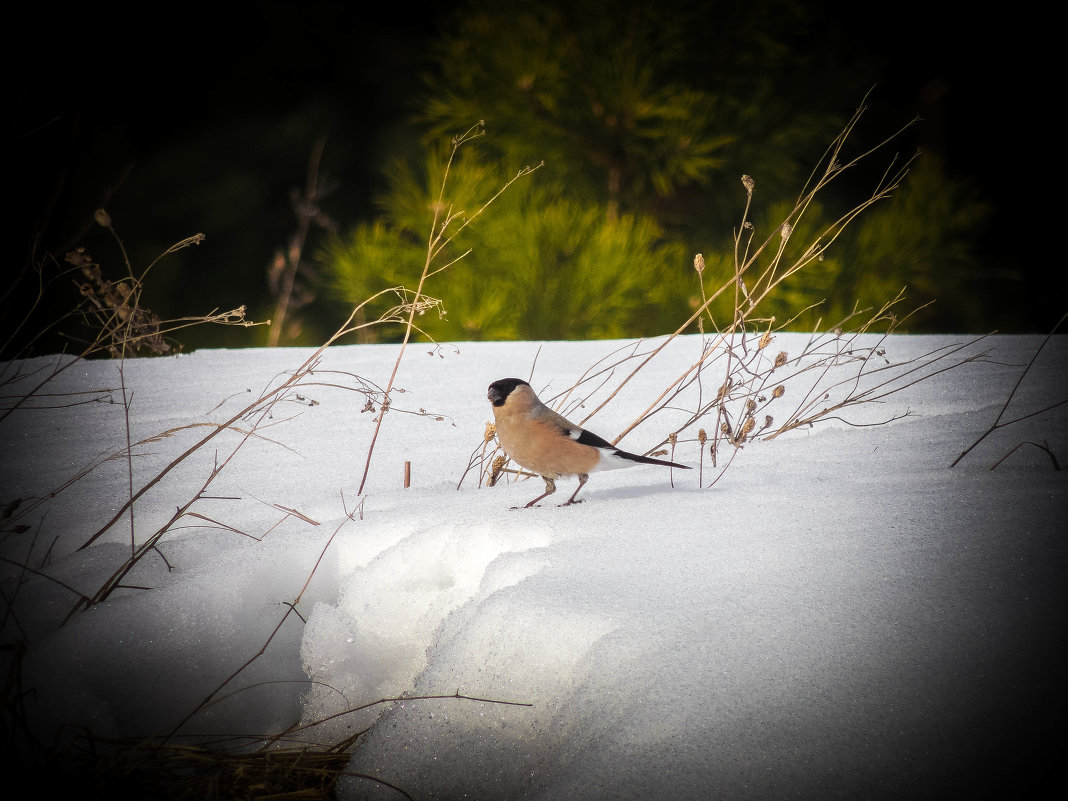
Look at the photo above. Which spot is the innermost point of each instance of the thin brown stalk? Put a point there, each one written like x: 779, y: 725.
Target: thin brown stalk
x: 306, y: 207
x: 291, y: 608
x: 997, y: 420
x: 436, y: 242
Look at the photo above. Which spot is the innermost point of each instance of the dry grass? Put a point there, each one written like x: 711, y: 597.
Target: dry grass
x: 740, y: 387
x: 271, y: 769
x: 447, y: 224
x: 289, y: 267
x: 163, y: 768
x: 108, y: 770
x: 1000, y: 422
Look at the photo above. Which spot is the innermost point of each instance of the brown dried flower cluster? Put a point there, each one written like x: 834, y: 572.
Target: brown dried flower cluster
x: 116, y: 310
x: 495, y: 473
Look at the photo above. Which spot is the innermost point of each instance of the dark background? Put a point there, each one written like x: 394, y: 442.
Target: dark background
x: 200, y: 119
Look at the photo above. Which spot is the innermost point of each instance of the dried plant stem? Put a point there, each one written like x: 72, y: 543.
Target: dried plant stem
x: 306, y: 207
x: 746, y: 260
x: 288, y: 733
x: 291, y: 608
x: 436, y: 242
x: 120, y: 324
x: 127, y: 400
x: 752, y: 379
x: 259, y: 406
x: 997, y: 420
x: 748, y: 299
x: 1042, y: 447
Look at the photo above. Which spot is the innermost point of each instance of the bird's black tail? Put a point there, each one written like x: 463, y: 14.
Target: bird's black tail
x: 650, y: 460
x: 594, y: 441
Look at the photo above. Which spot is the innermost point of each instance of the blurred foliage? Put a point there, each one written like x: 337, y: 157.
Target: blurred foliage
x: 588, y: 90
x: 645, y: 118
x: 534, y: 266
x: 645, y: 115
x: 925, y: 239
x: 921, y: 240
x: 642, y: 105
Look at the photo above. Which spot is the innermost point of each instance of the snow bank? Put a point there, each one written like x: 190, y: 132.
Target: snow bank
x: 841, y: 615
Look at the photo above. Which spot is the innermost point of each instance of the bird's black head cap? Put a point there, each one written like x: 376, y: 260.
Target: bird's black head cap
x: 500, y: 390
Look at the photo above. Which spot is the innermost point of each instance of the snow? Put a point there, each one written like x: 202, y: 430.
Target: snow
x: 840, y: 615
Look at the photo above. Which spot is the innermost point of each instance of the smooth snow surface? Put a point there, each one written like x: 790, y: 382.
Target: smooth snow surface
x: 840, y: 616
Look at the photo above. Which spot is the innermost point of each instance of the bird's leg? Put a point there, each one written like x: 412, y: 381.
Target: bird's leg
x: 583, y: 478
x: 550, y: 488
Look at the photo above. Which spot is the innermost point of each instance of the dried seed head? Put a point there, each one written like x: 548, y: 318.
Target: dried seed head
x: 673, y: 438
x: 787, y: 229
x: 768, y: 420
x: 765, y: 340
x: 495, y: 473
x: 748, y: 183
x: 750, y: 406
x: 103, y: 219
x: 78, y: 257
x: 726, y: 428
x: 490, y: 433
x: 778, y: 392
x: 702, y: 437
x: 747, y: 427
x: 699, y: 263
x: 780, y: 360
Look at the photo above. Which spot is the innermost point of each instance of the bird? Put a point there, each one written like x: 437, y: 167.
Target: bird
x: 546, y: 443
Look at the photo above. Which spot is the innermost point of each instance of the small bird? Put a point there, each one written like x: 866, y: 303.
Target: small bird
x: 544, y: 442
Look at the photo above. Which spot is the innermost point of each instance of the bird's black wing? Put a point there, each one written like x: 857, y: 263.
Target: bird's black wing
x: 589, y: 438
